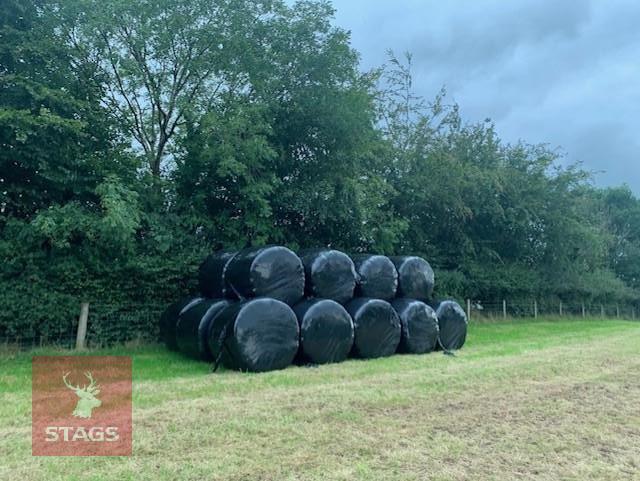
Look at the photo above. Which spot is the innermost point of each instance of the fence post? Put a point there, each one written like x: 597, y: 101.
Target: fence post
x: 535, y: 309
x: 82, y: 326
x: 601, y: 311
x: 469, y: 310
x: 560, y: 308
x: 504, y: 309
x: 583, y: 311
x: 617, y: 311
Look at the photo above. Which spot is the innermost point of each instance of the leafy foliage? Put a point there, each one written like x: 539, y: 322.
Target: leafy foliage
x: 136, y: 137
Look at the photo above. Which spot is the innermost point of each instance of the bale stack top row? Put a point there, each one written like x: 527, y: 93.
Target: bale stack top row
x: 279, y: 273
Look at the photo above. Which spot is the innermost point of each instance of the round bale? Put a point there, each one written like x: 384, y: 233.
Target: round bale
x: 211, y: 276
x: 169, y: 320
x: 419, y: 326
x: 377, y: 276
x: 415, y: 277
x: 193, y: 327
x: 274, y: 272
x: 326, y: 331
x: 255, y: 335
x: 376, y: 327
x: 329, y: 274
x: 452, y: 321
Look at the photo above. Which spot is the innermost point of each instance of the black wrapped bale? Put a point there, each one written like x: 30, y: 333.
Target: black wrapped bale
x: 193, y: 328
x: 329, y: 274
x: 169, y: 320
x: 376, y: 327
x: 211, y: 275
x: 419, y: 326
x: 274, y: 272
x: 415, y: 277
x: 377, y: 277
x: 453, y: 325
x: 326, y: 331
x: 256, y: 335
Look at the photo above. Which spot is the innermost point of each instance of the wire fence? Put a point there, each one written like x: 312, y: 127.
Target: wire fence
x: 106, y: 325
x: 504, y: 309
x: 109, y: 325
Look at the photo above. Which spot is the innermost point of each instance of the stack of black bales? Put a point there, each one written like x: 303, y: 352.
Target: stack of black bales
x: 419, y: 322
x: 263, y: 308
x: 326, y: 328
x: 244, y: 318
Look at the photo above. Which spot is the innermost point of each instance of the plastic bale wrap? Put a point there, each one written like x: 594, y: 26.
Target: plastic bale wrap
x: 419, y: 326
x: 256, y: 335
x: 193, y: 326
x: 274, y: 272
x: 329, y: 274
x: 453, y: 325
x: 326, y: 331
x: 169, y: 320
x: 211, y: 275
x: 415, y: 277
x: 376, y: 327
x: 377, y: 277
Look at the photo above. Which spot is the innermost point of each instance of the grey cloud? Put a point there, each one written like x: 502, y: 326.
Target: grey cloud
x: 564, y: 73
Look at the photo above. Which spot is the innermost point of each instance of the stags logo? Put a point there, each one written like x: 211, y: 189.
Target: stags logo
x: 73, y: 414
x: 87, y: 396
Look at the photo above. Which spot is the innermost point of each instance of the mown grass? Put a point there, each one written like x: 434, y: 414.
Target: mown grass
x: 544, y: 399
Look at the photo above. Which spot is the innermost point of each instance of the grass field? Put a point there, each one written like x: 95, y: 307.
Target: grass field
x: 546, y: 400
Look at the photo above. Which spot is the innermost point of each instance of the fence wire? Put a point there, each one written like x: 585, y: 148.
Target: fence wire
x: 107, y: 325
x: 495, y: 310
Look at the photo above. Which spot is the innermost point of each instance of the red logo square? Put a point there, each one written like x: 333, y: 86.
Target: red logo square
x: 81, y: 406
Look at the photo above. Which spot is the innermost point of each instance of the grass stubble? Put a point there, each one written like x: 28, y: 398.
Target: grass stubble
x: 544, y: 400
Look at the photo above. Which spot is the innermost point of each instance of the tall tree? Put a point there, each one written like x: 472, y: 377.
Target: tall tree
x: 226, y: 180
x: 161, y: 62
x: 323, y: 131
x: 54, y: 136
x: 622, y: 214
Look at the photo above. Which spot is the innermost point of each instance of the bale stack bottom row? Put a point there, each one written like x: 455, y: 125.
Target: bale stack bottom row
x: 264, y: 308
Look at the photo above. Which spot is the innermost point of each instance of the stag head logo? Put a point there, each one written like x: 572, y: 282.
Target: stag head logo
x: 87, y: 399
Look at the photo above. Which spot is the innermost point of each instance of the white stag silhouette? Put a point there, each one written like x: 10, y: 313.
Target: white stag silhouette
x: 87, y: 396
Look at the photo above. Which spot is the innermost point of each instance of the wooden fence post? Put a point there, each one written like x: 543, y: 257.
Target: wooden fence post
x: 617, y: 311
x: 560, y: 308
x: 535, y: 309
x: 583, y: 311
x: 82, y: 326
x: 601, y: 311
x: 504, y: 309
x: 469, y: 310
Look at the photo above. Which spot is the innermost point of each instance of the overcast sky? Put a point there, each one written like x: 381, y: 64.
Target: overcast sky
x: 561, y: 72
